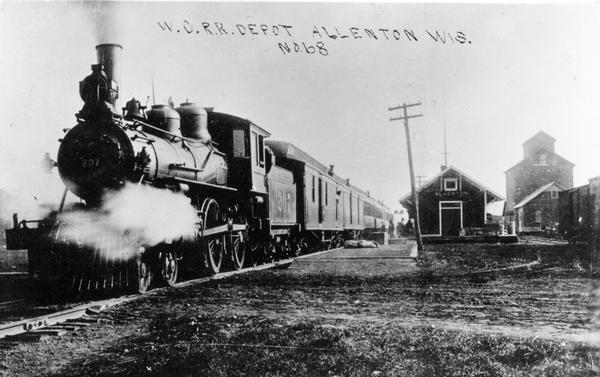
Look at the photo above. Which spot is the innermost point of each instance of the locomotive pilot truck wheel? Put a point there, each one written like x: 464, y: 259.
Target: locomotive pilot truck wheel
x: 236, y: 247
x: 169, y: 267
x: 144, y: 274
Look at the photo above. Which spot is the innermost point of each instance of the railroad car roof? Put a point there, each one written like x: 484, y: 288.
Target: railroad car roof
x: 287, y: 150
x: 233, y: 119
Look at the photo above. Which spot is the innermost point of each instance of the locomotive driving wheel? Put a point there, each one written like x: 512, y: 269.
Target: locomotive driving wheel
x: 214, y: 244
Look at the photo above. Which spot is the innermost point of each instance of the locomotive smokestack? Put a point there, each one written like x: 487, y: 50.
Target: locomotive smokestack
x: 109, y: 55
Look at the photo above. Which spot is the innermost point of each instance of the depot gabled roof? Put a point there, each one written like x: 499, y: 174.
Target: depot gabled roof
x: 537, y: 192
x: 436, y: 178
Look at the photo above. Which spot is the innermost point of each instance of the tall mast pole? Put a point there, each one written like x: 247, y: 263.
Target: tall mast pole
x: 415, y: 197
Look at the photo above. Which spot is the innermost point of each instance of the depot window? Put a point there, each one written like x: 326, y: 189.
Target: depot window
x: 450, y: 184
x: 313, y: 188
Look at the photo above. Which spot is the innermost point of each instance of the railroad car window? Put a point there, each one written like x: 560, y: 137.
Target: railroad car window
x: 313, y: 188
x: 350, y: 208
x: 239, y: 144
x: 261, y: 150
x: 255, y: 141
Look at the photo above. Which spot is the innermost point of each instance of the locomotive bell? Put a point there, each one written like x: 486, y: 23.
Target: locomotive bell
x: 194, y: 122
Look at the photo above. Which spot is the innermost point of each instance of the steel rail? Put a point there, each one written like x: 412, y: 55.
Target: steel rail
x: 11, y: 302
x: 37, y: 323
x: 29, y: 324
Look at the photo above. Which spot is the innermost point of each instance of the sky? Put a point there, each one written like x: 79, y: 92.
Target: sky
x: 504, y: 73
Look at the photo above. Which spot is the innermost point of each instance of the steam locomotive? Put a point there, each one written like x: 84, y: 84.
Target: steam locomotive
x: 256, y: 200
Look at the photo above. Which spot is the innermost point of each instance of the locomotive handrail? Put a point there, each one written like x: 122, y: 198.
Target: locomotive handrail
x: 23, y: 223
x: 186, y: 168
x: 135, y: 137
x: 139, y: 122
x: 210, y: 185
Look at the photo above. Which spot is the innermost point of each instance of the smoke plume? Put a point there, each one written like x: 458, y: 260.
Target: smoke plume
x: 135, y: 216
x: 105, y: 19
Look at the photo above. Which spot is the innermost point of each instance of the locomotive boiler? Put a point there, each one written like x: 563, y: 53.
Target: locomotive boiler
x: 104, y: 151
x: 253, y: 201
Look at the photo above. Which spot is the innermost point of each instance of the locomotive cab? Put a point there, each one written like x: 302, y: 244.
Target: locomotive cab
x: 243, y: 142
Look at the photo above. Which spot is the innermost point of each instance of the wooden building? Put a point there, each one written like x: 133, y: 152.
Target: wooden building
x: 539, y: 209
x: 540, y: 166
x: 451, y: 204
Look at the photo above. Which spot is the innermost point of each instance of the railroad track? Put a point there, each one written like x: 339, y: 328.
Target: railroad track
x: 59, y: 323
x: 12, y: 302
x: 535, y: 240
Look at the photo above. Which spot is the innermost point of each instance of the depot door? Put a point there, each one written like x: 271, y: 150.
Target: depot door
x: 450, y: 218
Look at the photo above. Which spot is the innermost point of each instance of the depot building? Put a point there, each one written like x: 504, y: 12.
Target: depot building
x: 452, y: 204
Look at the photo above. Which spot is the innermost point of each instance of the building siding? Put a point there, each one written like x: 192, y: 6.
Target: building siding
x: 540, y: 166
x: 470, y: 195
x: 548, y: 207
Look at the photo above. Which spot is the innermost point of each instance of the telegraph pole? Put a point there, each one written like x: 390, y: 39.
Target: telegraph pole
x: 415, y: 197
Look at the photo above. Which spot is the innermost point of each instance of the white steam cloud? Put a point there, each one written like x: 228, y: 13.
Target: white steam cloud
x: 135, y: 216
x: 26, y: 186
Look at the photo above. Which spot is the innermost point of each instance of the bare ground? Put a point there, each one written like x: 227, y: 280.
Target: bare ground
x: 349, y: 313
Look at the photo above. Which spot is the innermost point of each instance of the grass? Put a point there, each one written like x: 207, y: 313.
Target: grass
x: 246, y: 346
